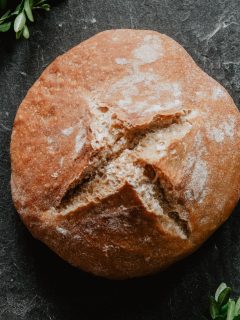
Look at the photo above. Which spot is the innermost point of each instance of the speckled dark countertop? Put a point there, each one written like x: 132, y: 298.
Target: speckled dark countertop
x: 36, y: 284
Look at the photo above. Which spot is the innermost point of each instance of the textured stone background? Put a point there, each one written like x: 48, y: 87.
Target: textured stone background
x: 34, y: 283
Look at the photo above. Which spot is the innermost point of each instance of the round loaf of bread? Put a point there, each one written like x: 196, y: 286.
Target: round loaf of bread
x: 125, y: 155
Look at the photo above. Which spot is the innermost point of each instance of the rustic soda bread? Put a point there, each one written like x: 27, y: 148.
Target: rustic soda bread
x: 125, y: 155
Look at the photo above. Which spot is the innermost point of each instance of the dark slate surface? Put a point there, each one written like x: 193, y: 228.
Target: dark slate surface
x: 34, y: 283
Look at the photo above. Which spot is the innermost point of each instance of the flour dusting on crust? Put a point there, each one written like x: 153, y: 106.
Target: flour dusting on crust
x: 198, y: 171
x: 196, y: 188
x: 225, y: 129
x: 67, y: 131
x: 80, y: 139
x: 150, y: 50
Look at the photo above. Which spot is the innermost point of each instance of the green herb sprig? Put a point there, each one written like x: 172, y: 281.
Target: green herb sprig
x: 21, y: 16
x: 222, y: 307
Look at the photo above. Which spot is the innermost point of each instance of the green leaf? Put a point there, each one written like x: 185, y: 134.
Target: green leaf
x: 231, y: 310
x: 5, y: 16
x: 46, y: 7
x: 214, y: 308
x: 17, y: 10
x: 28, y: 10
x: 19, y: 16
x: 219, y: 290
x: 224, y: 296
x: 19, y: 34
x: 223, y: 310
x: 19, y: 22
x: 25, y: 32
x: 5, y: 26
x: 237, y: 307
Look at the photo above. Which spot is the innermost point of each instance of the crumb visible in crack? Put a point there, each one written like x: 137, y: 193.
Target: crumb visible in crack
x: 183, y: 224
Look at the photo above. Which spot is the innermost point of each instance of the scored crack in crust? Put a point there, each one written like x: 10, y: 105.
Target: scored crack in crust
x: 122, y: 163
x: 125, y: 154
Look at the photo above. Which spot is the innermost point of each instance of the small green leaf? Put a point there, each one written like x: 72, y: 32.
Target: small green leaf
x: 19, y: 34
x: 219, y: 290
x: 231, y: 310
x: 214, y: 308
x: 237, y: 307
x: 5, y: 26
x: 223, y: 310
x: 45, y: 7
x: 5, y: 16
x: 224, y: 296
x: 17, y: 10
x: 25, y: 32
x: 19, y: 22
x: 28, y: 10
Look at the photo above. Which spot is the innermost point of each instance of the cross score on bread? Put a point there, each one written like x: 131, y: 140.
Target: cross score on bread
x: 125, y: 155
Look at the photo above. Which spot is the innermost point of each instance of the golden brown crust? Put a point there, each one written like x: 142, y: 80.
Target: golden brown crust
x: 150, y: 85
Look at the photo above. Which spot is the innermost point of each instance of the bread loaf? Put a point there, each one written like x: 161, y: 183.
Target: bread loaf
x: 125, y: 155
